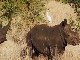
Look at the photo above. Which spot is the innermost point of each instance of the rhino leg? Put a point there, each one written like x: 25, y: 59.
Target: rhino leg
x: 49, y: 53
x: 35, y: 52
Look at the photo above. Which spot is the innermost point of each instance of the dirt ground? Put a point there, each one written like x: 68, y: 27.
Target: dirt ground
x: 14, y: 47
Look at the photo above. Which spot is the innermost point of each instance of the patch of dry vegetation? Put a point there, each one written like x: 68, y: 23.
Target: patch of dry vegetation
x: 59, y: 11
x: 20, y: 25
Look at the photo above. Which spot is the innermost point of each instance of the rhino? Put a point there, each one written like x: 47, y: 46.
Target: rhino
x: 44, y: 39
x: 3, y: 32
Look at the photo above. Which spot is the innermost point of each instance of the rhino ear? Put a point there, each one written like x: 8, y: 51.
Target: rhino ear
x: 64, y: 23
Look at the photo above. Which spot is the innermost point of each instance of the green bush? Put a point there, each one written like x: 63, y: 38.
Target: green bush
x: 9, y: 8
x: 76, y: 2
x: 32, y: 8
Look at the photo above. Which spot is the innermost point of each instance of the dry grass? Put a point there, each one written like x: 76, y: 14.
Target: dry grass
x: 59, y: 11
x: 71, y: 53
x: 16, y: 38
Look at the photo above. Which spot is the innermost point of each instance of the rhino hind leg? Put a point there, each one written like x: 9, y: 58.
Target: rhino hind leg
x: 49, y: 53
x: 35, y: 52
